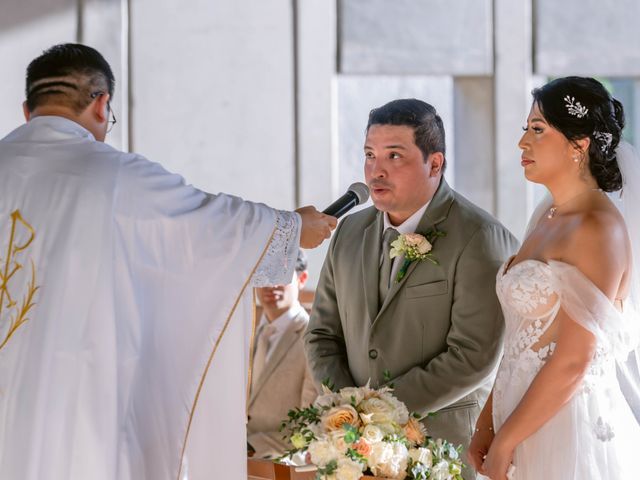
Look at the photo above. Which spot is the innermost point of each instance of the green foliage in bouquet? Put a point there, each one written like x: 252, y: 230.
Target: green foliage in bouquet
x: 358, y: 430
x: 297, y: 427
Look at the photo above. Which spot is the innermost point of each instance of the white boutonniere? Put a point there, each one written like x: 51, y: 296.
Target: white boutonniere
x: 414, y: 246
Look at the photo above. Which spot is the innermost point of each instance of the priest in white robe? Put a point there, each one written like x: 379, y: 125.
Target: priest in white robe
x: 121, y: 296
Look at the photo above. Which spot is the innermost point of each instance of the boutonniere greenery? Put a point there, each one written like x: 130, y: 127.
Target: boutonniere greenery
x: 414, y: 246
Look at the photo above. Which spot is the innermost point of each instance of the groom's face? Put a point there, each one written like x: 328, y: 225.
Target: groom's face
x: 399, y: 178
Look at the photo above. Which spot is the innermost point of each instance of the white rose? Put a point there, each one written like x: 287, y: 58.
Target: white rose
x: 393, y: 461
x: 389, y: 428
x: 337, y: 438
x: 440, y: 471
x: 381, y: 410
x: 397, y: 247
x: 348, y: 469
x: 352, y: 395
x: 322, y: 452
x: 421, y: 455
x: 381, y: 453
x: 399, y: 409
x: 372, y: 434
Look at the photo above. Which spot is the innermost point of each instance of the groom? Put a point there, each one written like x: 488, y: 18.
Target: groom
x: 434, y: 333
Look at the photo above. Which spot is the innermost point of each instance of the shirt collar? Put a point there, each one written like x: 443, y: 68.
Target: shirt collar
x: 410, y: 224
x: 281, y: 323
x: 60, y: 125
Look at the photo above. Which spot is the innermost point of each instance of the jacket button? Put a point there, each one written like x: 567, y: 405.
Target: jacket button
x: 373, y: 353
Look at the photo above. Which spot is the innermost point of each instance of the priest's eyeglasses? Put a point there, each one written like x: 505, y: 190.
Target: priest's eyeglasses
x: 112, y: 120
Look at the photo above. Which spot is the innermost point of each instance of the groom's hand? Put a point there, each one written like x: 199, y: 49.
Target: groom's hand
x: 316, y: 226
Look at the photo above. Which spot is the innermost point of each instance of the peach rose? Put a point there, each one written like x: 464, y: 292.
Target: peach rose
x: 425, y: 247
x: 418, y: 241
x: 413, y: 239
x: 362, y: 447
x: 338, y: 416
x: 415, y: 431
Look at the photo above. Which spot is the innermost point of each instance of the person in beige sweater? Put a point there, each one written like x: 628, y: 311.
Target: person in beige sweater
x: 280, y: 378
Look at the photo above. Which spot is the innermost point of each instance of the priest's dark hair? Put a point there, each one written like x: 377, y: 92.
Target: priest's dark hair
x: 68, y: 74
x: 423, y: 118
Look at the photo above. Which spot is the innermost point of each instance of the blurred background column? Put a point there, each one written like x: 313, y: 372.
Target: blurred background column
x: 512, y: 86
x: 104, y: 25
x: 27, y: 27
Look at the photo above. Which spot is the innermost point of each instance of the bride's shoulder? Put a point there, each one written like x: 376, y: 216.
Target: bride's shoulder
x: 598, y: 228
x: 597, y: 246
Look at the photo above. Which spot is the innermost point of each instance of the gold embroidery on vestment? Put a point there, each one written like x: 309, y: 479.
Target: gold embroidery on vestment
x: 10, y: 313
x: 215, y: 349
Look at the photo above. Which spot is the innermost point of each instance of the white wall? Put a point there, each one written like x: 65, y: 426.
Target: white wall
x: 27, y: 28
x: 269, y: 99
x: 212, y: 90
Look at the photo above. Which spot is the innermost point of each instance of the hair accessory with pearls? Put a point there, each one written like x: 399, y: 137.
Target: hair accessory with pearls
x: 604, y: 139
x: 575, y: 108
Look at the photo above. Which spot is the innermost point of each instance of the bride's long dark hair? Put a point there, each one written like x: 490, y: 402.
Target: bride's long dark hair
x: 580, y: 107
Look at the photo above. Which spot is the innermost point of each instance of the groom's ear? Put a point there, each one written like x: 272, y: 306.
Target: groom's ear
x: 435, y: 162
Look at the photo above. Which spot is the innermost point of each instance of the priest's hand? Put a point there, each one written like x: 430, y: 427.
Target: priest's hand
x: 316, y: 226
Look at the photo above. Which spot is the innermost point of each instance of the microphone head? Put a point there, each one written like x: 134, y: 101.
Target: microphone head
x: 360, y: 190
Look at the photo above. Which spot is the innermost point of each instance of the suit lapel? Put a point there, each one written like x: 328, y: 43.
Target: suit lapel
x: 284, y: 345
x: 371, y: 245
x: 435, y: 213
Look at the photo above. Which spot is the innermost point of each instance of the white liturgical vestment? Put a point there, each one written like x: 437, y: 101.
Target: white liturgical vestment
x: 123, y: 332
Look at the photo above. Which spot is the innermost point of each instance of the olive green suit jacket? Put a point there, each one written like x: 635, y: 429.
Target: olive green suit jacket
x: 438, y: 334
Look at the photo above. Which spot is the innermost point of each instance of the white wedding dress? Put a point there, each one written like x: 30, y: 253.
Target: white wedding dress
x: 595, y: 435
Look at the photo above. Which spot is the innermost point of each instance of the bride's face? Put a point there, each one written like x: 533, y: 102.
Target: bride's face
x: 546, y: 152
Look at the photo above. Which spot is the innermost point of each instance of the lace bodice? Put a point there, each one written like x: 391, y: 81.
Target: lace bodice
x: 531, y: 295
x: 530, y: 304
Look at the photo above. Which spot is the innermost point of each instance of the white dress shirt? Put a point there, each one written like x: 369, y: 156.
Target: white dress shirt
x: 408, y: 226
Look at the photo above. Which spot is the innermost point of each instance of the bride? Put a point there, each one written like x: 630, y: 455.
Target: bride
x: 557, y: 410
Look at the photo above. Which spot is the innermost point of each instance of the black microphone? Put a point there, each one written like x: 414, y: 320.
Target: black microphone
x: 356, y: 194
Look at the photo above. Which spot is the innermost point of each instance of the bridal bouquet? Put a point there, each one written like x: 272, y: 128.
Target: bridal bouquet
x: 358, y: 430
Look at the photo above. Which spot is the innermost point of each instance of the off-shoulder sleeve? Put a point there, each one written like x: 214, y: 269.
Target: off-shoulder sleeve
x: 587, y: 305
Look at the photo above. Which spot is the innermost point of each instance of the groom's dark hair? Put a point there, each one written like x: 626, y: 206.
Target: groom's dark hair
x: 423, y: 118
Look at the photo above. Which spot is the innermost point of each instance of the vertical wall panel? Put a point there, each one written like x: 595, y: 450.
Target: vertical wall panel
x: 587, y: 37
x: 512, y: 86
x: 27, y: 27
x: 474, y: 142
x: 104, y: 27
x: 429, y: 37
x: 212, y: 93
x: 317, y: 157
